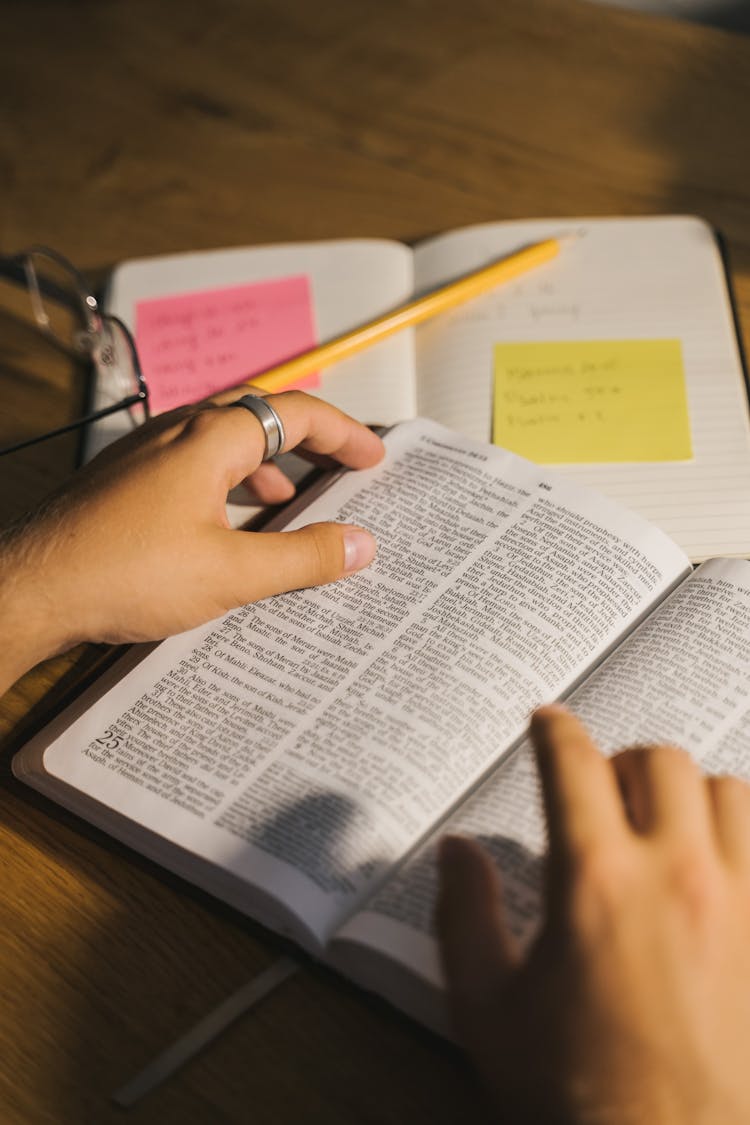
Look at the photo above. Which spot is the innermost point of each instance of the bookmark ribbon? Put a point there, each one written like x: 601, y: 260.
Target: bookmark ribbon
x: 204, y: 1032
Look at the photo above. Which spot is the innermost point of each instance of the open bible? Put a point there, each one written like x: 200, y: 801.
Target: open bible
x: 299, y: 757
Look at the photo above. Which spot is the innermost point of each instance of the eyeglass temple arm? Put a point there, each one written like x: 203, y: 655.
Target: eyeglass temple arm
x: 132, y: 400
x: 12, y: 269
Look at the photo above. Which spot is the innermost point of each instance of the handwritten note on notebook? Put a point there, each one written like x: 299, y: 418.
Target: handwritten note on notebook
x: 592, y: 401
x: 196, y: 343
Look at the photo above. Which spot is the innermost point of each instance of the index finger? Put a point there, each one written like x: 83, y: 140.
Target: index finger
x: 320, y: 428
x: 582, y: 799
x: 313, y: 425
x: 237, y: 439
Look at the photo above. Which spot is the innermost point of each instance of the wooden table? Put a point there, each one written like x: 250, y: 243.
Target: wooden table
x: 132, y: 128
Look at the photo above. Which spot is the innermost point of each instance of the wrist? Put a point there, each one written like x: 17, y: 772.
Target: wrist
x: 29, y: 625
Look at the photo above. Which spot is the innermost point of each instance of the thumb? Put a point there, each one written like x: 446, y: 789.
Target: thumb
x: 477, y: 948
x: 266, y: 563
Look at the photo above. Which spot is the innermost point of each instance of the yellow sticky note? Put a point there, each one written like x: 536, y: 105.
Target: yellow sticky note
x: 592, y: 400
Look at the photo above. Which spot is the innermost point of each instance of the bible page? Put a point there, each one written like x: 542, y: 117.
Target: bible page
x: 306, y: 743
x: 622, y: 280
x: 682, y: 677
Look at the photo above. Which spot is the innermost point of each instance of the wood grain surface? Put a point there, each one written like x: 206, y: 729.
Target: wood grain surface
x: 131, y: 128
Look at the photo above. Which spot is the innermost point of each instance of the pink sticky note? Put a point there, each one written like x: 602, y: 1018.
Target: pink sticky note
x: 197, y: 343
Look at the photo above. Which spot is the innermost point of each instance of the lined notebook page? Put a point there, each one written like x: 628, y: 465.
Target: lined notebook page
x: 351, y: 281
x: 622, y: 279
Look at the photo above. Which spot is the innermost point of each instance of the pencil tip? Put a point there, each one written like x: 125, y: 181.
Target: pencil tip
x: 568, y: 236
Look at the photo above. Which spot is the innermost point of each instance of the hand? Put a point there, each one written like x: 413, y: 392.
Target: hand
x: 633, y: 1006
x: 137, y: 546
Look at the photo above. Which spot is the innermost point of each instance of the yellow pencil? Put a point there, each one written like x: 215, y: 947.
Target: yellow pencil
x: 438, y: 301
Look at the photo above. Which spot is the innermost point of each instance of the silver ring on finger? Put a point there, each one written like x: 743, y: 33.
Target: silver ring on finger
x: 273, y: 427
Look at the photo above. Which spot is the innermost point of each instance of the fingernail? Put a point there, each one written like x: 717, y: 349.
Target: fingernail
x: 359, y: 549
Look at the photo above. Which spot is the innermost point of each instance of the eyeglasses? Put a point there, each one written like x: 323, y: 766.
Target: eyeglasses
x: 67, y: 313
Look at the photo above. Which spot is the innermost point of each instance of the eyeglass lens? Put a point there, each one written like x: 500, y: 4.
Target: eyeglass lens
x: 58, y: 305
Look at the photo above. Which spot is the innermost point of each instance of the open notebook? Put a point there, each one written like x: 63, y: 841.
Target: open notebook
x: 622, y: 279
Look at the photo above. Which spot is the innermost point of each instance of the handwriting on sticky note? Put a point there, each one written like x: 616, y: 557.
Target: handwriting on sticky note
x: 197, y: 343
x: 592, y: 400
